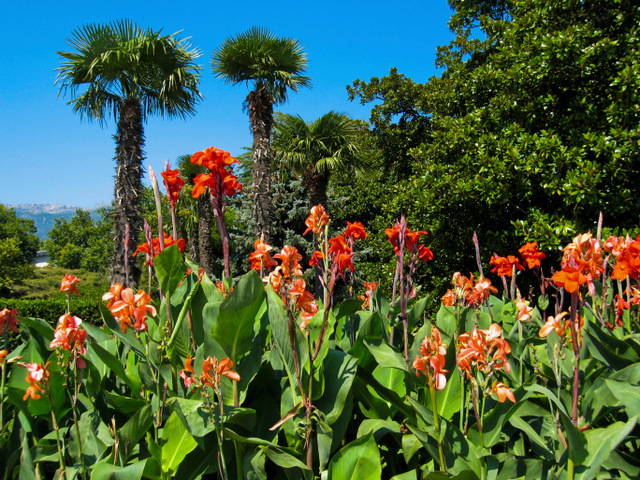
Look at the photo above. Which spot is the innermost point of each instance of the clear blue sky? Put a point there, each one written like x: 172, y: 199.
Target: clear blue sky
x: 49, y: 155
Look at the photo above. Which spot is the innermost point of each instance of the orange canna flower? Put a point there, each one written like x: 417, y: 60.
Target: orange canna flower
x: 559, y: 323
x: 531, y: 255
x: 316, y: 221
x: 38, y: 378
x: 260, y: 259
x: 524, y: 310
x: 570, y: 278
x: 212, y: 370
x: 432, y: 361
x: 128, y: 305
x: 68, y: 284
x: 187, y: 373
x: 502, y: 391
x: 290, y: 261
x: 341, y: 253
x: 370, y: 287
x: 3, y: 356
x: 213, y: 158
x: 628, y: 262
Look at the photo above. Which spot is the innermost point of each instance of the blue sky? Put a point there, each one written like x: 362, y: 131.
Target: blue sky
x: 49, y: 155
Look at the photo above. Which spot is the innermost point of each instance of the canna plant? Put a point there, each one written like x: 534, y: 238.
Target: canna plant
x: 257, y: 377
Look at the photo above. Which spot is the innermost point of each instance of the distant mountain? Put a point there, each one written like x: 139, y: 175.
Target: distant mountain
x: 44, y: 216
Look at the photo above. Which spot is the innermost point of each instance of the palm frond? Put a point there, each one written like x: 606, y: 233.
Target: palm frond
x: 121, y: 60
x: 257, y: 56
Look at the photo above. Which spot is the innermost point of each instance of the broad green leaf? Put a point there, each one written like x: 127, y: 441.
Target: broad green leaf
x: 177, y: 442
x: 136, y: 428
x: 286, y: 460
x: 113, y: 363
x: 627, y: 394
x: 358, y: 460
x: 170, y: 269
x: 414, y: 315
x: 233, y: 329
x: 324, y: 439
x: 107, y: 471
x: 601, y: 442
x: 379, y: 428
x: 446, y: 321
x: 339, y: 372
x: 384, y: 354
x: 410, y: 475
x: 495, y: 421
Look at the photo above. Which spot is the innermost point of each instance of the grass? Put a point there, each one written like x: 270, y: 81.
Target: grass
x: 46, y: 284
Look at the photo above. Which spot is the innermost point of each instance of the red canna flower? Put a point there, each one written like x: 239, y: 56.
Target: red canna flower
x: 213, y: 370
x: 153, y: 250
x: 123, y: 305
x: 370, y: 287
x: 340, y: 253
x: 316, y: 221
x: 187, y: 373
x: 68, y: 284
x: 8, y: 320
x: 173, y: 183
x: 69, y: 336
x: 504, y: 266
x: 531, y: 255
x: 220, y: 181
x: 628, y: 261
x: 355, y: 231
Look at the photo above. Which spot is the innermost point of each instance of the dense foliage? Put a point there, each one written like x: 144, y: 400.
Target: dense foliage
x: 529, y: 133
x: 18, y: 246
x: 81, y: 242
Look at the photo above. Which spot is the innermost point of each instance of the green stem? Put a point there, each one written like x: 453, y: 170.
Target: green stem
x: 570, y: 468
x: 436, y: 421
x: 63, y: 472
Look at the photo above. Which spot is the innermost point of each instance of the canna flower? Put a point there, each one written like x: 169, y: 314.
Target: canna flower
x: 38, y: 378
x: 68, y: 284
x: 260, y: 259
x: 223, y: 289
x: 220, y: 181
x: 483, y: 350
x: 213, y: 370
x: 340, y: 253
x: 432, y: 361
x: 628, y: 261
x: 128, y: 305
x: 173, y: 183
x: 504, y: 266
x: 3, y: 356
x: 355, y: 231
x: 317, y: 220
x: 316, y: 259
x: 531, y: 255
x: 8, y: 320
x: 559, y: 323
x: 502, y: 391
x: 187, y: 373
x: 411, y: 240
x: 290, y: 261
x: 570, y: 278
x: 524, y: 310
x: 370, y: 287
x: 154, y: 249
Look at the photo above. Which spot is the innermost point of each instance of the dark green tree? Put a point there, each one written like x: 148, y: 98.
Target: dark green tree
x: 18, y: 246
x: 124, y: 71
x: 81, y: 242
x: 272, y: 66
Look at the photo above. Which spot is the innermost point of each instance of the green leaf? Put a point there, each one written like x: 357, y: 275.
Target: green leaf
x: 601, y: 442
x: 359, y: 460
x: 113, y: 363
x: 627, y: 394
x: 384, y: 354
x: 170, y: 269
x: 233, y: 329
x: 339, y: 372
x: 286, y: 460
x: 177, y: 442
x: 106, y: 471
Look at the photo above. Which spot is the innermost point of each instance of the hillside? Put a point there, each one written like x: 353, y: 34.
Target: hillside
x: 44, y: 215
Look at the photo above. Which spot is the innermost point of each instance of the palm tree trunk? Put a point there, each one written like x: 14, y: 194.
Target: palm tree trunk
x: 261, y: 117
x: 128, y: 187
x: 205, y: 225
x: 317, y: 184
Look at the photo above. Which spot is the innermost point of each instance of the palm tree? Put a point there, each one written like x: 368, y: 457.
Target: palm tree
x: 273, y: 66
x: 314, y: 150
x: 123, y: 71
